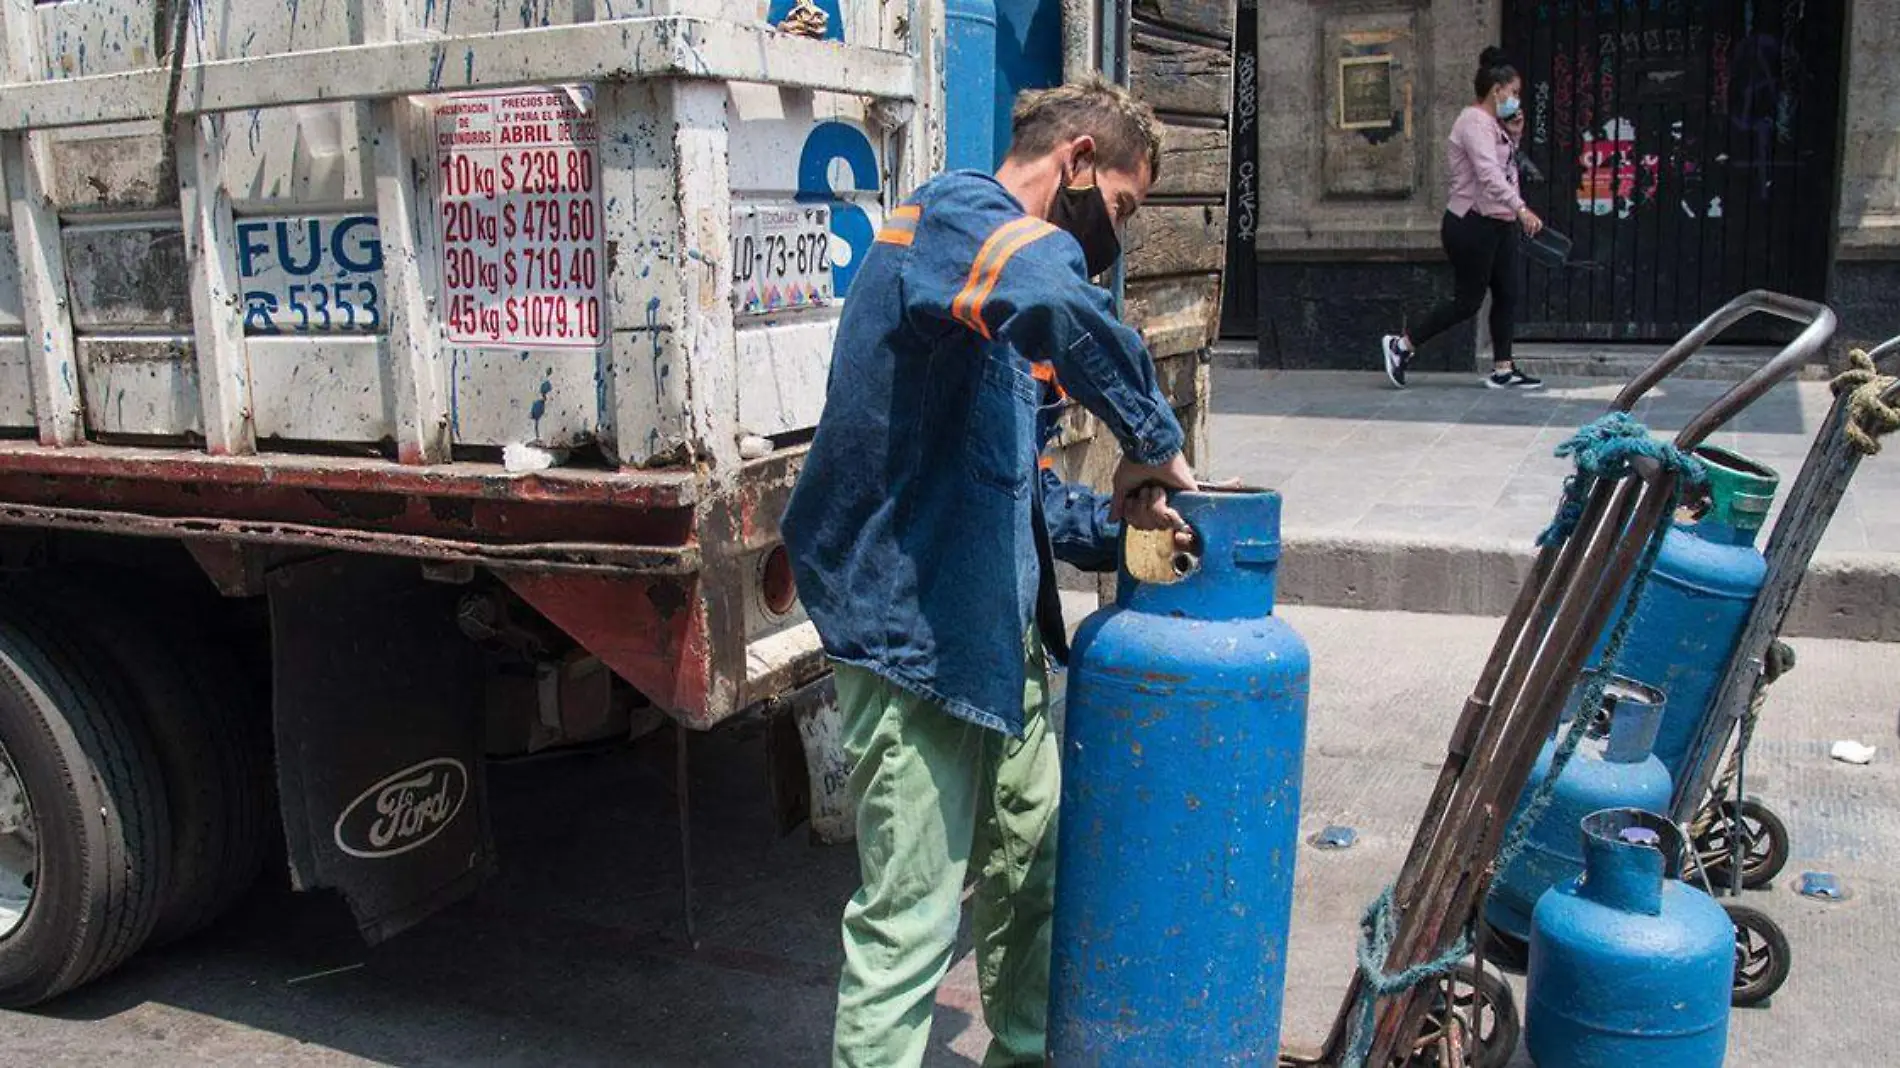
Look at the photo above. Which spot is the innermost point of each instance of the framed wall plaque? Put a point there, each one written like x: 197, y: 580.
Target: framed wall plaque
x: 1365, y: 92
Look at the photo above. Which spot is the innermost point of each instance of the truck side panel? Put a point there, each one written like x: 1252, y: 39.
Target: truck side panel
x: 299, y: 182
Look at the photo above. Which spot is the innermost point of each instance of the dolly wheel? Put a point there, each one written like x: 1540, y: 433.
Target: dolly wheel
x: 1764, y: 844
x: 1507, y: 951
x: 1472, y: 1023
x: 1763, y: 957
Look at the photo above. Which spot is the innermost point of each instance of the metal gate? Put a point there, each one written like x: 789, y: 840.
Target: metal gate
x: 1688, y: 147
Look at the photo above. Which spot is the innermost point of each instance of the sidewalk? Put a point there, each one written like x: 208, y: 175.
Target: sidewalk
x: 1430, y: 499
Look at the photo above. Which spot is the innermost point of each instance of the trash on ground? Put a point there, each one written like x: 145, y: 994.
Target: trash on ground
x: 1820, y: 884
x: 1848, y: 751
x: 1334, y: 837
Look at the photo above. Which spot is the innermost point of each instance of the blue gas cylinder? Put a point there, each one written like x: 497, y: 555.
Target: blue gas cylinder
x: 969, y: 28
x: 1028, y: 56
x: 1617, y: 770
x: 1629, y: 968
x: 1182, y: 757
x: 1698, y: 598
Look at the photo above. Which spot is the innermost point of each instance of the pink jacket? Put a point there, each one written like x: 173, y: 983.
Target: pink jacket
x: 1479, y: 161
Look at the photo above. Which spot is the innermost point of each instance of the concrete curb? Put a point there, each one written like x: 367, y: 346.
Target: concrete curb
x: 1855, y: 596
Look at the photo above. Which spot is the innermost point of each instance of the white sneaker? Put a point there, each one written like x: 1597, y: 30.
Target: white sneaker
x: 1393, y: 350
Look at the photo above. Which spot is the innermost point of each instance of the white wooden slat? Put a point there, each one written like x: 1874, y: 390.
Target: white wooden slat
x: 619, y: 51
x: 646, y: 378
x: 922, y: 137
x: 409, y: 278
x: 16, y: 389
x: 217, y: 308
x: 51, y: 355
x: 781, y: 373
x: 325, y: 387
x: 46, y: 319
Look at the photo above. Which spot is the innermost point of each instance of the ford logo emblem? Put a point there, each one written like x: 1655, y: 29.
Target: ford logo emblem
x: 403, y: 811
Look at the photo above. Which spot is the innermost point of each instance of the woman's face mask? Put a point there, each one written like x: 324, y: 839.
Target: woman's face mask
x: 1082, y: 210
x: 1509, y: 107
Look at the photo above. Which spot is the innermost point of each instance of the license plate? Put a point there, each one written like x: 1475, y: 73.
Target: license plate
x: 781, y: 258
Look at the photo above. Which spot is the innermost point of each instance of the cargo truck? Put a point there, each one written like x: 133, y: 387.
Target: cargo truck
x: 391, y: 386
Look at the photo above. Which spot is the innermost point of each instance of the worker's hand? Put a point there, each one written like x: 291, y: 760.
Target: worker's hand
x: 1141, y: 498
x: 1529, y: 220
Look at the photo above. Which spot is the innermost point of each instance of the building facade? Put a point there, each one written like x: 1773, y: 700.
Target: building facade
x: 1691, y: 149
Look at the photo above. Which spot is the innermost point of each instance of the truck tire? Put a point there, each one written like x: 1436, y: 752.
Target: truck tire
x: 211, y: 748
x: 87, y: 791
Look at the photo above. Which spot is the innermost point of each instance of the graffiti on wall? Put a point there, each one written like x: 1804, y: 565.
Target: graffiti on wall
x: 1593, y: 108
x: 1246, y: 112
x: 1616, y: 178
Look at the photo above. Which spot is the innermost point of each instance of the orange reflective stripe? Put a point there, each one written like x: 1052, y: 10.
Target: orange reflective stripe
x: 1046, y: 463
x: 1036, y: 230
x: 901, y: 227
x: 1046, y: 372
x: 966, y: 300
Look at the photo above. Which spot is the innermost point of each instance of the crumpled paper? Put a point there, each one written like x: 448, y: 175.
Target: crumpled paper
x: 1848, y: 751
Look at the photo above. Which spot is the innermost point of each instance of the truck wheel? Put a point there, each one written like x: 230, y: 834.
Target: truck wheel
x: 84, y: 837
x: 210, y: 746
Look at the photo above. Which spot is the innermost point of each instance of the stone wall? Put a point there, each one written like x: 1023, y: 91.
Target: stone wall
x: 1864, y: 285
x: 1349, y: 209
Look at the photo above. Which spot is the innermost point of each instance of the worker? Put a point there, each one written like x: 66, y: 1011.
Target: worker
x: 922, y: 531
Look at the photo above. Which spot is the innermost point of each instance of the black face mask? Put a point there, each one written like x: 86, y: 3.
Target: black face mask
x: 1083, y: 212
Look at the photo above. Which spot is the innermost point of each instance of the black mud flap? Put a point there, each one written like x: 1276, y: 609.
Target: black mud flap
x: 379, y: 757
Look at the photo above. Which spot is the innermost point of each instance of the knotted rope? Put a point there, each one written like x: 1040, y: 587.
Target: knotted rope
x: 1869, y: 416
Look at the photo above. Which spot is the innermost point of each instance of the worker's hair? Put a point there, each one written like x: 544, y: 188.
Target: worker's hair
x: 1125, y: 130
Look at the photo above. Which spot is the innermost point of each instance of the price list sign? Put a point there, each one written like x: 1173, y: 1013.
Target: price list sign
x: 519, y: 219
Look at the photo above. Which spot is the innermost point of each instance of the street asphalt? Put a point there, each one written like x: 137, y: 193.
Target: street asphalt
x: 574, y: 954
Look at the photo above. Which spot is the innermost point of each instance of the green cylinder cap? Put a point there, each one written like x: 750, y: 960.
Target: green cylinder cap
x: 1741, y: 490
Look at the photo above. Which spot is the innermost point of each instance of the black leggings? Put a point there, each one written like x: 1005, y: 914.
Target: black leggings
x: 1483, y: 255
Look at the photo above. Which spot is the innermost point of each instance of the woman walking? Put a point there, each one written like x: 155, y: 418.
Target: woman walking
x: 1480, y: 227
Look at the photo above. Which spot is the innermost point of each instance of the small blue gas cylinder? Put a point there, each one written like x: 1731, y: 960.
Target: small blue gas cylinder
x: 1629, y: 968
x: 969, y: 28
x: 1614, y: 771
x: 1698, y: 598
x: 1182, y: 757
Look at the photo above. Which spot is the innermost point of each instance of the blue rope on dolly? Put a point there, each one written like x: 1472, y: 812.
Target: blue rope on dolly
x: 1602, y: 448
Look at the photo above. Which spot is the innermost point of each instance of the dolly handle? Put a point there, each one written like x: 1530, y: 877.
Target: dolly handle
x: 1819, y: 323
x: 1889, y: 347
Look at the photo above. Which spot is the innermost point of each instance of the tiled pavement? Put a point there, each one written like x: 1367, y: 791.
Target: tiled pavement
x: 1449, y: 460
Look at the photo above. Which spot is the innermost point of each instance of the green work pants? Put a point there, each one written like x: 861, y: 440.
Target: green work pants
x: 939, y: 798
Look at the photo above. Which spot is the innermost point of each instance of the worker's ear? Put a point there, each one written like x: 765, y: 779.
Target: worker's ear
x: 1081, y: 161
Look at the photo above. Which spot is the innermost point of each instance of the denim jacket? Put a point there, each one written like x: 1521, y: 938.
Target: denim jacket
x: 909, y: 528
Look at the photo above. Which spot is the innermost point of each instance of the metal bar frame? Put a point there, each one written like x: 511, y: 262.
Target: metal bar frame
x: 1805, y: 515
x: 567, y: 556
x: 1566, y: 602
x: 621, y: 50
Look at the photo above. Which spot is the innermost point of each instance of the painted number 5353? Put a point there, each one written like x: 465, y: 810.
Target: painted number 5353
x: 335, y: 306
